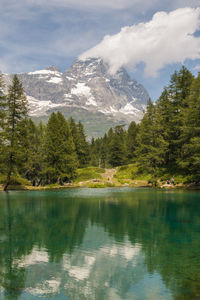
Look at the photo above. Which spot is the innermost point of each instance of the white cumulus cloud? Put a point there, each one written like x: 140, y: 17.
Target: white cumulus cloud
x: 168, y: 38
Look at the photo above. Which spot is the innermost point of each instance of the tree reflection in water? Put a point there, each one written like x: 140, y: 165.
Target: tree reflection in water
x: 100, y: 244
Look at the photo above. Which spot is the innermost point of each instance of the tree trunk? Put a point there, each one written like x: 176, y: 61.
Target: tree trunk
x: 7, y: 181
x: 59, y: 180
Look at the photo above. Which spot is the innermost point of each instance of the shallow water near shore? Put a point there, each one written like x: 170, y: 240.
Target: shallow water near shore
x: 100, y: 244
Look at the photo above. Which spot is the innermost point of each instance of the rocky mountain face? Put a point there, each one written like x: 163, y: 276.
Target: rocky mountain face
x: 88, y: 92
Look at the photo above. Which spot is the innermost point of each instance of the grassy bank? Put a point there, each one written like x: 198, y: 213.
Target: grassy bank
x: 93, y: 177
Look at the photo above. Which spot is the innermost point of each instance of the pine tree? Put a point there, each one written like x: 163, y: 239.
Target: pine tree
x: 190, y: 135
x: 16, y: 112
x: 178, y: 90
x: 2, y: 122
x: 83, y: 147
x: 117, y: 147
x: 103, y: 151
x: 81, y: 144
x: 131, y: 140
x: 151, y: 143
x: 2, y: 105
x: 59, y: 149
x: 171, y: 106
x: 95, y: 152
x: 31, y: 141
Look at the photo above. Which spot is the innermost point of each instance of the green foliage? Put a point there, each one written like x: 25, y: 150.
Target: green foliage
x: 131, y: 140
x: 178, y: 178
x: 151, y: 143
x: 81, y: 145
x: 15, y: 180
x: 97, y: 185
x: 126, y: 172
x: 171, y: 109
x: 3, y: 105
x: 16, y: 113
x: 189, y: 161
x: 117, y: 147
x: 165, y: 144
x: 88, y: 173
x: 131, y: 172
x: 59, y: 150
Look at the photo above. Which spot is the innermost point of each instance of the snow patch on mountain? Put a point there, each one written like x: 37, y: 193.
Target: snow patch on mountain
x: 40, y: 108
x: 81, y: 90
x: 87, y: 85
x: 44, y: 72
x: 55, y: 80
x: 91, y: 101
x: 129, y: 109
x: 69, y: 78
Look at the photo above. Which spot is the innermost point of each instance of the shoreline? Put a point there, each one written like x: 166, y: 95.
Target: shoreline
x: 101, y: 185
x: 92, y: 177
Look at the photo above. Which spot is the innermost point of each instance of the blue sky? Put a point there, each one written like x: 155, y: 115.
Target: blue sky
x: 37, y: 33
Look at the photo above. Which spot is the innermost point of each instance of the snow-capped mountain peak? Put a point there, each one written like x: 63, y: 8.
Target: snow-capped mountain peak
x: 87, y: 86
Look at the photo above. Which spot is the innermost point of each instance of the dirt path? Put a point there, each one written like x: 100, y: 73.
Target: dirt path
x: 109, y: 174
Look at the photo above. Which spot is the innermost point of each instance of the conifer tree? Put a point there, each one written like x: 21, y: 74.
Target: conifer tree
x: 178, y: 91
x: 103, y: 151
x: 190, y: 135
x: 117, y: 147
x: 151, y: 143
x: 2, y: 105
x: 131, y: 139
x: 80, y: 142
x: 171, y: 106
x: 59, y: 149
x: 95, y: 152
x: 2, y: 122
x: 16, y: 113
x: 83, y: 146
x: 31, y: 141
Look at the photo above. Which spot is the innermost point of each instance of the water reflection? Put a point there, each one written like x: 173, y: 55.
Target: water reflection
x: 107, y: 244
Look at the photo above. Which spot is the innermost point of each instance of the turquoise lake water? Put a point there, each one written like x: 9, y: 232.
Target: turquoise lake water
x: 100, y: 244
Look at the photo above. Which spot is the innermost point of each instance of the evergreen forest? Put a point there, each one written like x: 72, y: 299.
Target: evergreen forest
x: 165, y: 143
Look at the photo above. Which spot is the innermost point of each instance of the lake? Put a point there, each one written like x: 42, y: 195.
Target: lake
x: 100, y: 244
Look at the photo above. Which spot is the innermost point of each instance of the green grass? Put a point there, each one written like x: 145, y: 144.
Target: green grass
x: 130, y: 172
x: 88, y: 173
x: 100, y: 185
x: 177, y: 178
x: 15, y: 180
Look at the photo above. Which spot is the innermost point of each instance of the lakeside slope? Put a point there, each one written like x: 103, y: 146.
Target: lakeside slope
x: 94, y: 177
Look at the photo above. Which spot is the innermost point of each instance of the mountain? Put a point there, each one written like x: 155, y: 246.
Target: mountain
x: 88, y: 92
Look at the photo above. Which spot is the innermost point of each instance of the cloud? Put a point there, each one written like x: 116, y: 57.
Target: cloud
x: 87, y: 4
x: 137, y: 5
x: 197, y: 68
x: 36, y: 33
x: 168, y: 38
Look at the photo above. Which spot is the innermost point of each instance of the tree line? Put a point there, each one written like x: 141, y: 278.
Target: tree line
x: 41, y: 154
x: 167, y: 140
